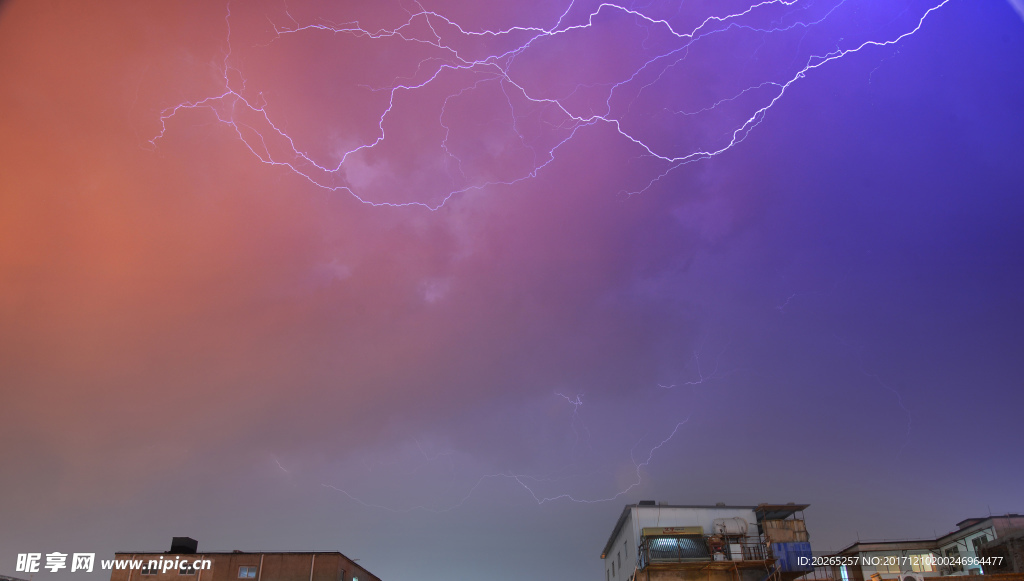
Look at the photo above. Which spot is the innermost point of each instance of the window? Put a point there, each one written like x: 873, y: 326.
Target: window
x: 921, y: 563
x: 619, y: 557
x: 978, y: 542
x: 953, y: 554
x: 887, y: 566
x: 247, y: 572
x: 147, y: 570
x: 887, y: 563
x: 186, y: 569
x: 613, y: 568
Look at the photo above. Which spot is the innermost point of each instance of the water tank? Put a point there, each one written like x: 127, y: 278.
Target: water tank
x: 730, y: 526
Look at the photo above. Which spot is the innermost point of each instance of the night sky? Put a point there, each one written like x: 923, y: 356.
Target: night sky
x: 444, y: 285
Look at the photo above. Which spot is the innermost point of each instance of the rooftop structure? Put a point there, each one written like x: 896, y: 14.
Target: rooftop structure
x: 652, y: 541
x: 185, y: 563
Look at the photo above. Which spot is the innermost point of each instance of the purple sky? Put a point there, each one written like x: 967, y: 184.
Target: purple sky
x: 443, y: 286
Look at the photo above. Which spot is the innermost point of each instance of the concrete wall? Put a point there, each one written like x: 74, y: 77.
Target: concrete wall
x: 1009, y: 549
x: 1005, y: 525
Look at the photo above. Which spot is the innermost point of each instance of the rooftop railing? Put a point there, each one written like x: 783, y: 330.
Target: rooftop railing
x: 682, y: 549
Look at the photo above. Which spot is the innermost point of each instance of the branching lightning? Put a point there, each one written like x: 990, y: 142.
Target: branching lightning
x: 878, y: 380
x: 576, y: 403
x: 702, y: 377
x: 529, y: 482
x: 637, y: 465
x: 542, y: 123
x: 524, y: 480
x: 541, y: 120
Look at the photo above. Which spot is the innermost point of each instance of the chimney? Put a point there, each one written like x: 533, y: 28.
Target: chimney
x: 183, y: 545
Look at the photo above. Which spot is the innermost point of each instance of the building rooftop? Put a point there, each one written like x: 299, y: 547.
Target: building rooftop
x: 189, y: 546
x: 234, y: 552
x: 966, y: 526
x: 778, y: 511
x: 772, y: 509
x: 971, y: 524
x: 905, y: 544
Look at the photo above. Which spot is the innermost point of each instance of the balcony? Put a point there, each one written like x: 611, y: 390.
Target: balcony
x: 699, y: 550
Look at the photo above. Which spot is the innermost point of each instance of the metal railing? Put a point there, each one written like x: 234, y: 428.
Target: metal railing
x: 696, y: 549
x: 820, y: 574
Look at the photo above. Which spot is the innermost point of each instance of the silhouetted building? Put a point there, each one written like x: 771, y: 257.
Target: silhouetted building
x: 185, y: 563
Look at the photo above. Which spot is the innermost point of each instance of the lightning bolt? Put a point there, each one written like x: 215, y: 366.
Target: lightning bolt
x: 576, y: 403
x: 638, y: 466
x: 459, y: 74
x: 1018, y: 5
x: 878, y: 380
x: 283, y: 469
x: 522, y: 480
x: 701, y: 376
x: 782, y: 308
x: 530, y: 482
x: 542, y: 124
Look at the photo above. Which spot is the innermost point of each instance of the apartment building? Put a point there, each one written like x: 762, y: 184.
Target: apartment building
x: 960, y: 552
x: 663, y: 542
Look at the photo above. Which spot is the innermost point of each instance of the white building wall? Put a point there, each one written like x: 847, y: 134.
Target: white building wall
x: 965, y: 548
x: 624, y: 548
